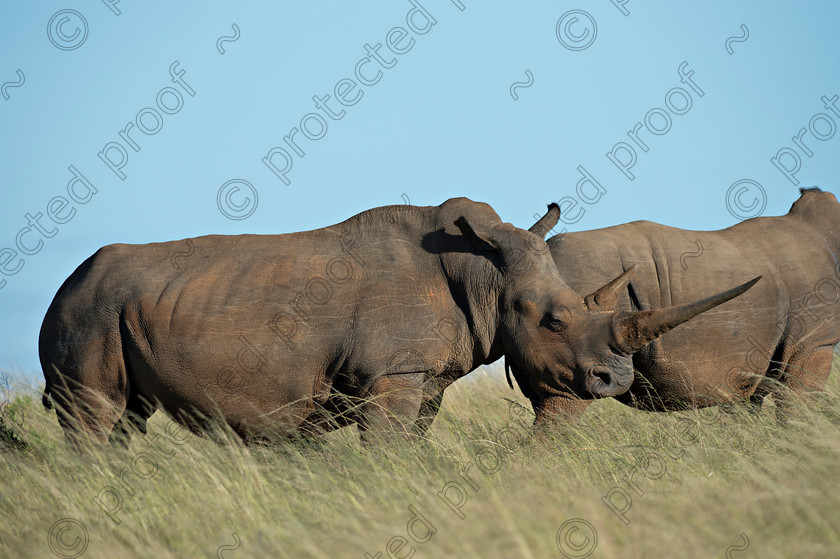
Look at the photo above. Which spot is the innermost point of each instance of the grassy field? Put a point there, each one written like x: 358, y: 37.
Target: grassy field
x: 624, y: 484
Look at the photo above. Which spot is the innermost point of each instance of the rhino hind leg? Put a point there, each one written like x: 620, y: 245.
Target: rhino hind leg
x: 86, y: 380
x: 137, y: 412
x: 84, y: 413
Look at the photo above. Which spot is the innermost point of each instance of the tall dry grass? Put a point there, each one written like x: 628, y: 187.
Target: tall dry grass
x: 624, y: 484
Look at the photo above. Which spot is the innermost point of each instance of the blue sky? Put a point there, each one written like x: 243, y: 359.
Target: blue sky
x: 438, y: 119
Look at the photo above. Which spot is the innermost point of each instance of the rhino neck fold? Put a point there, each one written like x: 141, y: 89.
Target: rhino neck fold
x: 475, y: 285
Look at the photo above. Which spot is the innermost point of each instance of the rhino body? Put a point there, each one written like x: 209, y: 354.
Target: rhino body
x: 366, y: 321
x: 781, y: 333
x: 269, y: 329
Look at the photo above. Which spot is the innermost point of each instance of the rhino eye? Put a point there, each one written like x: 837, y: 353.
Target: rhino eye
x: 555, y: 322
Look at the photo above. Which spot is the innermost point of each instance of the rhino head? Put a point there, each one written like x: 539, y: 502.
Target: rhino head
x: 561, y: 345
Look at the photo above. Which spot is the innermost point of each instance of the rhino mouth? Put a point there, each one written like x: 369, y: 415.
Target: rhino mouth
x: 602, y: 382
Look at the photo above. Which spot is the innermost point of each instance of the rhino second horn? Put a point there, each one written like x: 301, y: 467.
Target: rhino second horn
x: 606, y: 298
x: 546, y: 222
x: 634, y: 330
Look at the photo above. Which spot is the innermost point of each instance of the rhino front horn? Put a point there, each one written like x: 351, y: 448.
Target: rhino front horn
x: 634, y: 330
x: 546, y: 222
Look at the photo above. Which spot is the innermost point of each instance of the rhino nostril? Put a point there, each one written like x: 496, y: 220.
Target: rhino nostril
x: 605, y: 376
x: 603, y: 381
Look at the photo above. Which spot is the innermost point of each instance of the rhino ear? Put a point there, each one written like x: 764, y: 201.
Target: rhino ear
x: 546, y: 222
x: 481, y: 238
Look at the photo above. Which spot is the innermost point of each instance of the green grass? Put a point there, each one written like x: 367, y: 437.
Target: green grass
x: 706, y: 478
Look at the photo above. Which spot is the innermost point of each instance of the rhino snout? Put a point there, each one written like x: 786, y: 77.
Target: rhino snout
x: 603, y: 382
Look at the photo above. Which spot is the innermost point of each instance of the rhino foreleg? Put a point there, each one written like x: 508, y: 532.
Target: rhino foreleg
x: 559, y: 410
x: 556, y: 416
x: 393, y: 407
x: 336, y: 412
x: 764, y: 388
x: 804, y: 376
x: 428, y: 411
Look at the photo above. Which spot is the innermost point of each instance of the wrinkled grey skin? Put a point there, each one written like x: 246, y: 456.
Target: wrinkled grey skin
x: 779, y: 335
x: 366, y: 321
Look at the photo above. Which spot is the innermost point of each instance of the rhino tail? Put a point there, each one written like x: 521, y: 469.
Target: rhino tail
x: 46, y: 400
